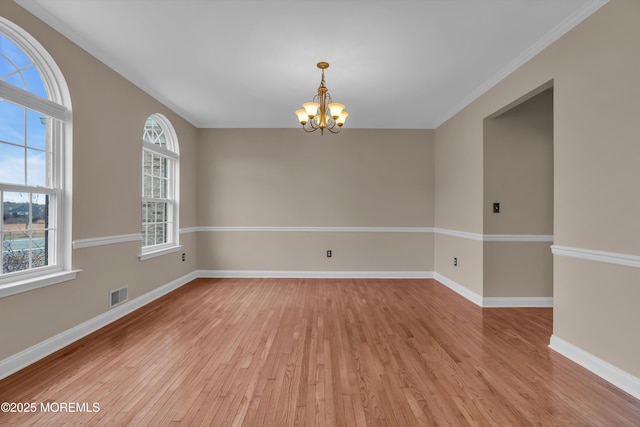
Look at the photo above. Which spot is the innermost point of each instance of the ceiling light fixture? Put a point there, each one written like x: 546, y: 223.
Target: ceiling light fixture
x: 322, y: 113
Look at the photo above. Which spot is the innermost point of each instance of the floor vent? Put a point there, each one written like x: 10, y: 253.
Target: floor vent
x: 119, y: 296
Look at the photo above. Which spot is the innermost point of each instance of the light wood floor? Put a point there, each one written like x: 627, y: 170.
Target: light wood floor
x: 307, y: 352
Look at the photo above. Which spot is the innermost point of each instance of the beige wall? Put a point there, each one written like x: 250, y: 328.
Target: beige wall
x: 469, y: 253
x: 517, y: 269
x: 518, y: 168
x: 108, y: 117
x: 459, y: 199
x: 596, y: 165
x: 287, y: 178
x: 352, y: 252
x: 597, y: 111
x: 596, y: 151
x: 518, y: 173
x: 458, y: 173
x: 596, y: 309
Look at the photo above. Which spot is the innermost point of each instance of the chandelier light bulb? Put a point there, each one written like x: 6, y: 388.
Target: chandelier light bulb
x: 336, y: 109
x: 302, y: 116
x: 311, y: 108
x: 342, y: 118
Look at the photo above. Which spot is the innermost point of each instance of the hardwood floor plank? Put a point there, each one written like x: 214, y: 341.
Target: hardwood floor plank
x: 320, y: 411
x: 310, y: 406
x: 318, y: 352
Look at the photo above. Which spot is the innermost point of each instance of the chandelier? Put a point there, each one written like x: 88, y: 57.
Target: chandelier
x: 322, y: 113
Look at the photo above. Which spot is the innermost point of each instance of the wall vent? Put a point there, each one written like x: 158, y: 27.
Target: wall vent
x: 119, y: 296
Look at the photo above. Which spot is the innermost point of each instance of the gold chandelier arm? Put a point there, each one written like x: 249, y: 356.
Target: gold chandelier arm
x: 334, y: 128
x: 309, y: 127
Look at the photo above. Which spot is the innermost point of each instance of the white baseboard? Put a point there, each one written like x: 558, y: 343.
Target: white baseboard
x: 517, y: 302
x: 494, y: 302
x: 32, y: 354
x: 616, y: 376
x: 459, y: 289
x: 317, y: 274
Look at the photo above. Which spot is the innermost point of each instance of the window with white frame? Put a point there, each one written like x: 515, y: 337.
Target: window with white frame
x: 160, y: 163
x: 35, y: 164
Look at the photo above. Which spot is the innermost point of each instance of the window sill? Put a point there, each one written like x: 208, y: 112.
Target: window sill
x: 13, y: 288
x: 159, y: 252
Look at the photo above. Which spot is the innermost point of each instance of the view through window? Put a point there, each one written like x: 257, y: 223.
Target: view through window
x: 27, y: 190
x: 159, y: 165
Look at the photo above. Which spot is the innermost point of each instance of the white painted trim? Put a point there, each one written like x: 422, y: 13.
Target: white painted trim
x: 587, y: 10
x: 588, y: 254
x: 160, y: 252
x: 517, y: 302
x: 455, y: 233
x: 601, y: 256
x: 60, y: 164
x: 36, y: 282
x: 189, y: 230
x: 18, y: 188
x: 494, y: 302
x: 123, y: 68
x: 459, y: 289
x: 320, y: 229
x: 523, y: 238
x: 34, y: 353
x: 303, y: 274
x: 461, y: 234
x: 99, y: 241
x: 157, y: 149
x: 33, y: 102
x: 171, y: 153
x: 59, y: 103
x: 518, y: 238
x: 616, y: 376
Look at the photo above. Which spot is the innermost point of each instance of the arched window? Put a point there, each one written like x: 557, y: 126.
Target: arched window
x: 35, y: 165
x: 160, y: 172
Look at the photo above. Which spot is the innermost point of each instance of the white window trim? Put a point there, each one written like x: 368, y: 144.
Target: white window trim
x: 173, y: 154
x: 159, y: 250
x: 59, y: 108
x: 53, y: 276
x: 33, y: 102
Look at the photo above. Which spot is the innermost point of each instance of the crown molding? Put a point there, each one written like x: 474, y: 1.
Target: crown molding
x: 564, y: 27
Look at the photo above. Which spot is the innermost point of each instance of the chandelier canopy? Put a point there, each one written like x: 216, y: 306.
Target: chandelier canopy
x: 322, y: 113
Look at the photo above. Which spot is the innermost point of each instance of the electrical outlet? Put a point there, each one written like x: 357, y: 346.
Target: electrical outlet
x: 184, y: 257
x: 329, y: 253
x: 455, y: 261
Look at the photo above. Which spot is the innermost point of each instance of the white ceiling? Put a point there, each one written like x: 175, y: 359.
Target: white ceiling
x: 250, y: 64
